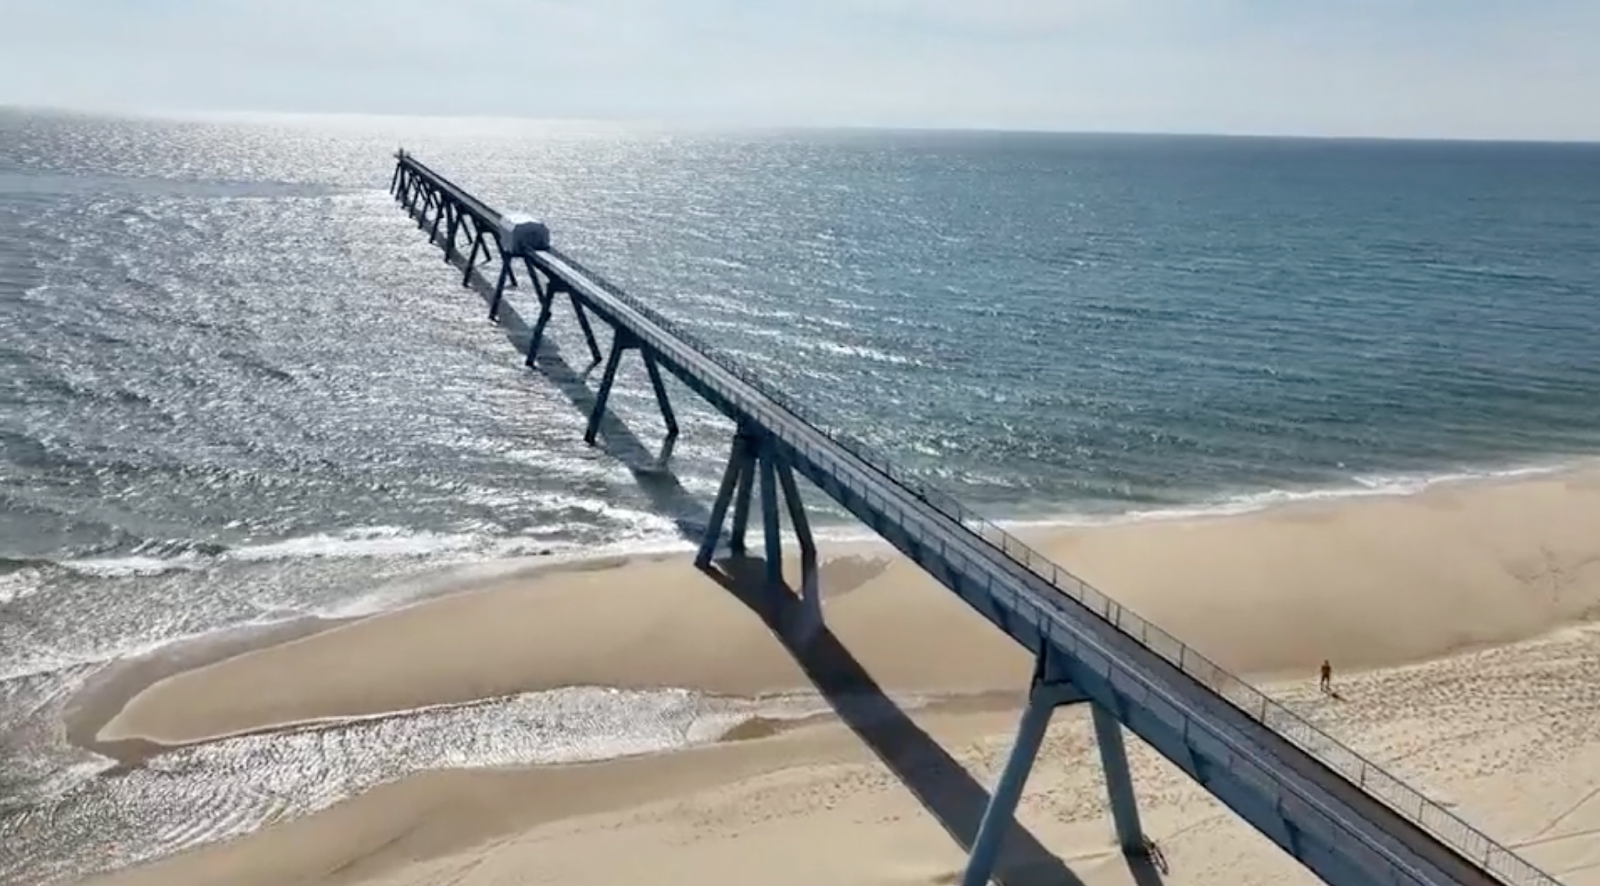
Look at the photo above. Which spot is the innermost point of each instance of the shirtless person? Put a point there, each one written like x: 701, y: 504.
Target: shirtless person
x: 1327, y: 677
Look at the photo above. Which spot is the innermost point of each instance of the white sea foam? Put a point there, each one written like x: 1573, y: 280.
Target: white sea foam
x: 1360, y: 486
x: 385, y: 542
x: 373, y: 541
x: 365, y: 542
x: 125, y: 567
x: 465, y: 559
x: 19, y: 585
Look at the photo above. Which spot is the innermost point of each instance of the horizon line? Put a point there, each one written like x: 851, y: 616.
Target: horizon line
x: 260, y: 116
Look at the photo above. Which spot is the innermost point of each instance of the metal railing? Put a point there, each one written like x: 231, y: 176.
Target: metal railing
x: 1404, y: 800
x: 1410, y: 803
x: 482, y: 210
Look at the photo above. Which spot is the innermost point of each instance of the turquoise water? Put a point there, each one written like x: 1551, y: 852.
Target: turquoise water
x: 237, y: 386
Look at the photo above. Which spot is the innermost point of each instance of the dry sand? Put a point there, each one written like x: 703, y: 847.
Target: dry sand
x: 1443, y: 613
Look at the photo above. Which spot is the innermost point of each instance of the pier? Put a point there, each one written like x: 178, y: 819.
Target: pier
x: 1341, y: 816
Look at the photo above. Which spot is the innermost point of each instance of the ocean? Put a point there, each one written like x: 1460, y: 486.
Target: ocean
x: 238, y: 387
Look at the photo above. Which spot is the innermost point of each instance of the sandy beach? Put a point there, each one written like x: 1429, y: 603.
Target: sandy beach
x: 1457, y: 619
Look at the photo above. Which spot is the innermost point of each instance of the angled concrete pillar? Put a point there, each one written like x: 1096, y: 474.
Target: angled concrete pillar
x: 741, y: 508
x: 773, y: 530
x: 740, y: 461
x: 444, y: 212
x: 618, y: 345
x: 472, y: 257
x: 755, y: 457
x: 546, y: 290
x: 1052, y: 688
x: 1002, y: 808
x: 453, y: 225
x: 621, y: 342
x: 810, y: 588
x: 1119, y: 781
x: 588, y: 330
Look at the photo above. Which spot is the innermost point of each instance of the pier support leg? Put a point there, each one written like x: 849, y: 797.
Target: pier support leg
x: 1048, y: 692
x: 547, y: 294
x: 740, y: 462
x: 433, y: 232
x: 472, y: 259
x: 769, y: 518
x: 554, y: 286
x: 506, y: 276
x: 1119, y: 782
x: 755, y: 458
x: 499, y: 292
x: 394, y: 180
x: 1002, y: 807
x: 619, y: 343
x: 667, y: 416
x: 588, y: 330
x: 741, y: 508
x: 507, y: 272
x: 454, y: 224
x: 810, y: 589
x: 427, y: 204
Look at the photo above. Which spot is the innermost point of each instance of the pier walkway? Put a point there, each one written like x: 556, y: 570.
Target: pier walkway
x: 1344, y: 818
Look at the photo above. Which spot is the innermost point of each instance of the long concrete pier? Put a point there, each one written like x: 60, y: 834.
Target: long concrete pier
x: 1341, y: 816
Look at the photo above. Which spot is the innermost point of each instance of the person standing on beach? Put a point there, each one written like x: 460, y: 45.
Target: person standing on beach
x: 1326, y: 684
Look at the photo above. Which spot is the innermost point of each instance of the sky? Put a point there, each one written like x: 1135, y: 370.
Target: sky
x: 1398, y: 68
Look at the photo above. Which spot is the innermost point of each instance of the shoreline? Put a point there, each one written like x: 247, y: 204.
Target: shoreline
x: 1389, y: 587
x: 848, y: 532
x: 106, y: 693
x: 1357, y: 489
x: 845, y: 568
x: 111, y: 719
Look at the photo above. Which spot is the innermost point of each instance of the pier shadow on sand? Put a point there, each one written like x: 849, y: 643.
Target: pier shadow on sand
x: 939, y: 782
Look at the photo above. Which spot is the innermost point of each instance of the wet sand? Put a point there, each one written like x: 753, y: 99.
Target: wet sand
x: 1454, y: 619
